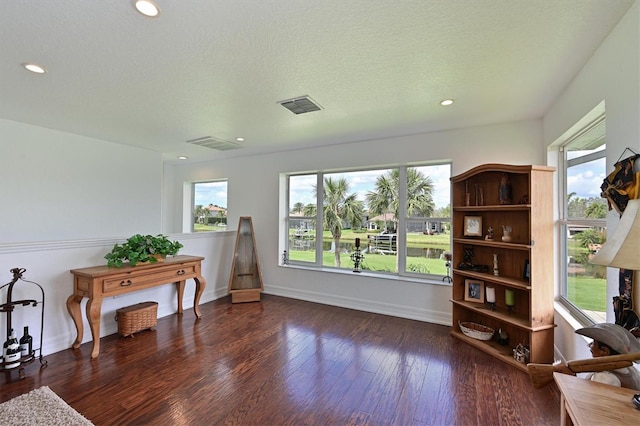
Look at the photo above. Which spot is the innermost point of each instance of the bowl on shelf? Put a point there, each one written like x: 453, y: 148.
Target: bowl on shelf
x: 476, y: 331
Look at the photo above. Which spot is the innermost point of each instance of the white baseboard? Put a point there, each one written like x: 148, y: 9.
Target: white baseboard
x: 435, y: 317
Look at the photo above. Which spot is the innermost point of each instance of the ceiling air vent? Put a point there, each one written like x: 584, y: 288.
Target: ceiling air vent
x: 214, y: 143
x: 300, y: 105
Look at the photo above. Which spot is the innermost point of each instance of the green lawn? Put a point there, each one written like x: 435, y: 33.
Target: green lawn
x: 588, y: 293
x: 374, y: 262
x: 380, y: 262
x: 198, y: 227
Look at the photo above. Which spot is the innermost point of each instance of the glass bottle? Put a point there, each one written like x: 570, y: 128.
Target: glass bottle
x: 11, y: 351
x: 26, y: 343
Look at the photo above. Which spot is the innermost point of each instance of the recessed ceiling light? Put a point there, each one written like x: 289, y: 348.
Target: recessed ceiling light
x: 34, y: 68
x: 446, y: 102
x: 182, y: 157
x: 147, y: 8
x: 240, y: 139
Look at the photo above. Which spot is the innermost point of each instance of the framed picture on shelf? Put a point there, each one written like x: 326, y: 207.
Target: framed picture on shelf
x: 472, y: 226
x: 474, y: 291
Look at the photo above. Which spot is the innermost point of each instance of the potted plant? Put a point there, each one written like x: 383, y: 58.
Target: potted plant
x: 142, y: 249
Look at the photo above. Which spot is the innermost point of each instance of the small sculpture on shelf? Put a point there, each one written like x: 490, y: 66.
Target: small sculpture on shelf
x: 467, y: 259
x: 489, y: 236
x: 285, y: 258
x: 506, y: 233
x: 505, y: 192
x: 496, y: 272
x: 502, y: 337
x: 522, y: 353
x: 467, y: 263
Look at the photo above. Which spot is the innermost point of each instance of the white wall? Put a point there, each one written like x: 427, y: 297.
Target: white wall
x: 253, y: 187
x: 612, y: 75
x: 61, y: 186
x: 65, y: 200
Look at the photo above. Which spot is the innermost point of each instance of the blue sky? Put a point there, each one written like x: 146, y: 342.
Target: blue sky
x: 211, y: 193
x: 301, y: 187
x: 585, y: 179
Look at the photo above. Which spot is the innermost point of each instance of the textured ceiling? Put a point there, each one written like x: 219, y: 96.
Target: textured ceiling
x: 218, y: 68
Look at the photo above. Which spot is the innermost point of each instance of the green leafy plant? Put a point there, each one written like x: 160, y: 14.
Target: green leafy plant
x: 142, y: 248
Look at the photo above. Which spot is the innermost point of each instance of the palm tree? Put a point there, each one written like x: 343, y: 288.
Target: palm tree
x: 297, y: 207
x: 597, y: 210
x: 386, y: 197
x: 339, y: 208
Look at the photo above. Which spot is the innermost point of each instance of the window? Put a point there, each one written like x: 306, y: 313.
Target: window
x: 210, y: 206
x: 583, y: 221
x: 398, y: 217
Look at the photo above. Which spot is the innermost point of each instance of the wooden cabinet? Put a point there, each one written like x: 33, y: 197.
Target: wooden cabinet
x: 519, y: 199
x: 245, y: 280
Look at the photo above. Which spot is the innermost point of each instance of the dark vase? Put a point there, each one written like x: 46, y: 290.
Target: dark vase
x: 505, y: 192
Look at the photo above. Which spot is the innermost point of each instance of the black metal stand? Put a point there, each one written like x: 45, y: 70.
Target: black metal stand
x: 447, y: 257
x: 9, y: 307
x: 357, y: 257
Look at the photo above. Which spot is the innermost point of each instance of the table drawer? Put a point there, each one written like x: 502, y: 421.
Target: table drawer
x: 148, y: 278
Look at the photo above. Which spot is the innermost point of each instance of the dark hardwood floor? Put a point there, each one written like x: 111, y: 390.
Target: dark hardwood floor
x: 288, y: 362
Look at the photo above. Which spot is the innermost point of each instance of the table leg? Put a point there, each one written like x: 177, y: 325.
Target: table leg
x: 565, y: 420
x: 180, y: 287
x: 201, y: 283
x: 94, y: 307
x: 73, y: 306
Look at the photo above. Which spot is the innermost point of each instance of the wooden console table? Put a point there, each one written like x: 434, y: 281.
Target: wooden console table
x: 98, y: 282
x: 583, y: 402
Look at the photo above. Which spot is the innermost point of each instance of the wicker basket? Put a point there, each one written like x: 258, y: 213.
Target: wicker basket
x: 476, y: 331
x: 135, y: 318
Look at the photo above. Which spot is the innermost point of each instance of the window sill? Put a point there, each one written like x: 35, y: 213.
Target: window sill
x: 567, y: 316
x: 370, y: 275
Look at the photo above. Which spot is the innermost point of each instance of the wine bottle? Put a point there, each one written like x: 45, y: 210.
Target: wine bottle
x: 26, y: 343
x: 11, y: 351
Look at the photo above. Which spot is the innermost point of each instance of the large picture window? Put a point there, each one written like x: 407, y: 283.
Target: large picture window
x: 399, y: 217
x: 583, y: 221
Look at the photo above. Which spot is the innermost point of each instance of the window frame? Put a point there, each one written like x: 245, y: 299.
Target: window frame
x: 192, y: 204
x: 564, y: 221
x: 402, y: 221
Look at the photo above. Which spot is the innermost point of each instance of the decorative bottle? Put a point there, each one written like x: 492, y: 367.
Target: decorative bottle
x: 26, y: 343
x: 11, y: 351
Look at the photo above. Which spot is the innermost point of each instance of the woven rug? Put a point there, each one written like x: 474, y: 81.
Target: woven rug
x: 40, y: 407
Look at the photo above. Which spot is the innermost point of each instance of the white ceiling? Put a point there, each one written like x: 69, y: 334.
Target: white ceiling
x: 217, y: 68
